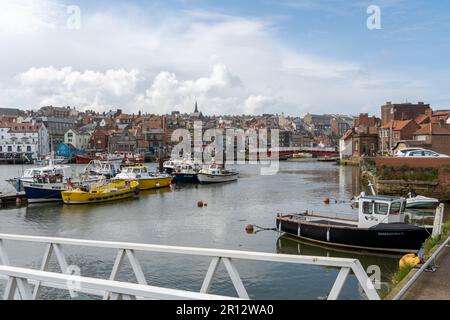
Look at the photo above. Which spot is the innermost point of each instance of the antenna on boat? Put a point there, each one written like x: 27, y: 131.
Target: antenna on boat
x: 372, y: 188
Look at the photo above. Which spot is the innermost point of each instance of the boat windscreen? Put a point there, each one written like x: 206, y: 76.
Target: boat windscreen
x: 396, y: 208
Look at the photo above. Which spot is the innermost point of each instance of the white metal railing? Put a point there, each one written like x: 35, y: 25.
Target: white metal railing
x: 21, y: 279
x: 424, y: 267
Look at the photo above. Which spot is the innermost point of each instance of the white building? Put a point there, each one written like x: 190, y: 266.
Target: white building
x: 24, y: 138
x: 78, y: 139
x: 346, y: 145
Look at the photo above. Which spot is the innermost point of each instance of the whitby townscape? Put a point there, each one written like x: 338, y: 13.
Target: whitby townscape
x: 252, y: 153
x: 398, y: 160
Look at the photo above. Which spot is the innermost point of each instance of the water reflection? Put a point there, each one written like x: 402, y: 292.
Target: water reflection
x: 388, y: 263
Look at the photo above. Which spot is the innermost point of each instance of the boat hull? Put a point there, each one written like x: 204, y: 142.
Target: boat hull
x: 39, y: 193
x: 77, y: 197
x: 153, y: 183
x: 393, y: 237
x: 422, y: 205
x: 211, y: 178
x: 185, y: 178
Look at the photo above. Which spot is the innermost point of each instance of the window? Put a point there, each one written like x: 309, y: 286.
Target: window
x: 367, y: 207
x: 381, y: 208
x: 396, y: 208
x: 416, y: 154
x: 9, y: 149
x: 421, y: 138
x: 29, y: 149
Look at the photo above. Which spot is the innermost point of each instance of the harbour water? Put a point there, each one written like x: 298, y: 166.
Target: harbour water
x: 171, y: 217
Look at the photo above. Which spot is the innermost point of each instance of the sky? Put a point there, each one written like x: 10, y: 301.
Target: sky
x: 233, y: 57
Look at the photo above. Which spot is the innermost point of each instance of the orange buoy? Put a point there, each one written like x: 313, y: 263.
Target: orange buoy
x: 249, y: 228
x: 326, y: 200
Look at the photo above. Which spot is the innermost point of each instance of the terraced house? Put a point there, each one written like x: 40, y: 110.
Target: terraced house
x: 23, y: 139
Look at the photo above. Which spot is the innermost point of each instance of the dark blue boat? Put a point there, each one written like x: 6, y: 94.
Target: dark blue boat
x: 43, y: 193
x: 185, y: 178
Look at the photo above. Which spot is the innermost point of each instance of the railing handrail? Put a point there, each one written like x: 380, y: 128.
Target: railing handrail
x: 236, y: 254
x: 416, y: 276
x: 117, y: 287
x: 127, y: 250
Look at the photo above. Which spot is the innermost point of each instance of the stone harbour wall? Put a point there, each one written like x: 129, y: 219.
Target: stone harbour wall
x: 437, y: 188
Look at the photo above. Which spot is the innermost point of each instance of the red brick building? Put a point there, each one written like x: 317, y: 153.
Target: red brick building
x: 365, y: 136
x: 434, y: 136
x: 396, y: 131
x: 403, y: 111
x: 99, y: 140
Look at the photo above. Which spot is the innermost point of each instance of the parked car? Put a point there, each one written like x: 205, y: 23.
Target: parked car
x: 423, y: 153
x: 403, y: 152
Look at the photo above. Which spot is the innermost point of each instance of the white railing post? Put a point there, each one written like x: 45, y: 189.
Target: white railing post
x: 365, y: 282
x: 10, y: 290
x: 140, y: 277
x: 339, y: 284
x: 235, y: 278
x: 207, y: 282
x: 44, y: 266
x: 115, y: 270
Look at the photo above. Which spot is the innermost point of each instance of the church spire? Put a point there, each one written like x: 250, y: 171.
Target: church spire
x: 196, y: 107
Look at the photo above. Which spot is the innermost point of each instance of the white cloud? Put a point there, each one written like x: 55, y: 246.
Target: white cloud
x: 168, y: 92
x: 52, y: 86
x: 28, y: 16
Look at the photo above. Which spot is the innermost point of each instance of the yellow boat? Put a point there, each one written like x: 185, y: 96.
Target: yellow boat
x: 146, y: 179
x: 101, y: 192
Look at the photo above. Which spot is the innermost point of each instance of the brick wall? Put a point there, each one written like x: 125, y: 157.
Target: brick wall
x: 439, y: 189
x: 413, y: 162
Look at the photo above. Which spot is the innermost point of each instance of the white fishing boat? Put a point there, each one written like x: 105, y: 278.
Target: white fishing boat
x: 216, y: 174
x: 169, y: 166
x: 108, y: 169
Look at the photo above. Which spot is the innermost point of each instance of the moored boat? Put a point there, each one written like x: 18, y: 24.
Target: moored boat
x: 83, y: 159
x: 185, y: 173
x: 146, y: 180
x: 302, y: 155
x: 106, y: 169
x: 44, y: 184
x: 380, y: 227
x: 216, y: 174
x: 420, y: 202
x: 101, y: 192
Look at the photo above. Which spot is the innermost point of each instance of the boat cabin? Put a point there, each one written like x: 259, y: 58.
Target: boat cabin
x: 374, y: 210
x: 135, y: 171
x: 184, y: 167
x: 53, y: 174
x: 214, y: 169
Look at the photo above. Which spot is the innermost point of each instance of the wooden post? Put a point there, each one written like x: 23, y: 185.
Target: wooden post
x: 438, y: 219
